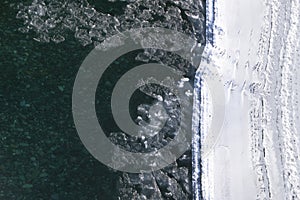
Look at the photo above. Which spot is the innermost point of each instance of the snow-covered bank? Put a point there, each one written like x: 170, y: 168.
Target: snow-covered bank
x: 254, y: 47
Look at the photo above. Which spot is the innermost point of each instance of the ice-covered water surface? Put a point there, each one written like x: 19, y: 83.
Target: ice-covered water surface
x: 92, y: 22
x: 255, y: 48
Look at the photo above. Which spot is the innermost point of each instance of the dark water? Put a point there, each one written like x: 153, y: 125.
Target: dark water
x: 41, y: 155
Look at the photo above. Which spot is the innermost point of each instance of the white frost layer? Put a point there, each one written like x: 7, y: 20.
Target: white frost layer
x: 255, y: 47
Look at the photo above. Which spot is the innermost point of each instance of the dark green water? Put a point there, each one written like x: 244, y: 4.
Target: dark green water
x: 41, y: 156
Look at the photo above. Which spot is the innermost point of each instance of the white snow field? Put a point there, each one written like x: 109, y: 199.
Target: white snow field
x: 254, y: 46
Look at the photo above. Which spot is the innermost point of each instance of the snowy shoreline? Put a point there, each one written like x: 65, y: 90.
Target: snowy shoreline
x: 254, y: 47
